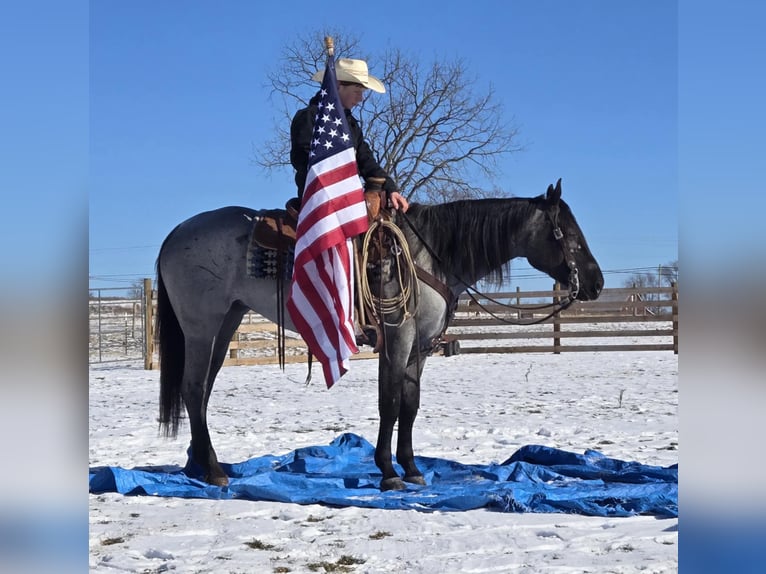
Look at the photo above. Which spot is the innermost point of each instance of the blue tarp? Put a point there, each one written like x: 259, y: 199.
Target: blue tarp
x: 534, y: 479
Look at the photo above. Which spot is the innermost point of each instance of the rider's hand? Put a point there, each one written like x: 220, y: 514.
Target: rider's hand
x: 398, y: 201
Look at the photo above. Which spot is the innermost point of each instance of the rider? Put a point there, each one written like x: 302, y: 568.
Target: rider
x: 353, y: 80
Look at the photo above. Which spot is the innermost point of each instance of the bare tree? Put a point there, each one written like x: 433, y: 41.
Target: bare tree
x: 665, y: 275
x: 669, y: 273
x: 437, y: 134
x: 640, y: 280
x: 136, y: 290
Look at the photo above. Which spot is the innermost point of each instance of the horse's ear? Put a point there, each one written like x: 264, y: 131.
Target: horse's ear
x: 553, y: 195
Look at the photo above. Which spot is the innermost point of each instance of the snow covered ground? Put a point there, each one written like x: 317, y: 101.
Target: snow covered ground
x: 474, y: 409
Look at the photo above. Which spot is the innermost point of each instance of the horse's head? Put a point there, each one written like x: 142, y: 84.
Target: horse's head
x: 559, y: 248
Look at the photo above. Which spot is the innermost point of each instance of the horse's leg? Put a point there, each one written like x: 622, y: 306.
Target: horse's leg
x: 197, y: 369
x: 391, y: 376
x: 197, y: 390
x: 408, y: 410
x: 389, y: 398
x: 221, y: 346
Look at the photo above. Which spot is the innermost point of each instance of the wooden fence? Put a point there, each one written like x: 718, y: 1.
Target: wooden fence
x: 622, y: 319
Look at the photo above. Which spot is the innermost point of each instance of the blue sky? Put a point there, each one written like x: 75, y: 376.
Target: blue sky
x: 178, y: 100
x: 120, y: 119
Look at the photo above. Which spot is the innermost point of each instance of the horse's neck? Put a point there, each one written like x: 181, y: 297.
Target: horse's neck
x: 520, y: 229
x: 514, y: 228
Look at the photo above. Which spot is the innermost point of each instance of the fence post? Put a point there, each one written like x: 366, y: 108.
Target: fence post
x: 234, y: 353
x: 634, y: 299
x: 674, y: 298
x: 518, y: 303
x: 100, y: 355
x: 556, y: 321
x: 148, y: 326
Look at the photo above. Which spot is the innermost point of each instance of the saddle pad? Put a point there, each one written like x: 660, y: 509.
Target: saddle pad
x: 262, y: 263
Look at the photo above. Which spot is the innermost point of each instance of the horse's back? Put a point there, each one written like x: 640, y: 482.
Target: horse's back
x: 206, y: 250
x: 209, y: 230
x: 203, y: 263
x: 213, y: 222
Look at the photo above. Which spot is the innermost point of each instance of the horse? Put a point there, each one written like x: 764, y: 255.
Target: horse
x: 204, y: 291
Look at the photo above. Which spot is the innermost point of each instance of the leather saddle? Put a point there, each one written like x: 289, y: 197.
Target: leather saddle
x: 275, y: 228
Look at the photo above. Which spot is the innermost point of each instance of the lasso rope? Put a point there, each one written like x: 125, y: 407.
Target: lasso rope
x: 407, y: 277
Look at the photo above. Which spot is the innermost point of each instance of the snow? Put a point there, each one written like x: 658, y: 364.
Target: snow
x: 474, y: 409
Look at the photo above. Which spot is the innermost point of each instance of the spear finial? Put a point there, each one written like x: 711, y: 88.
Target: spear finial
x: 329, y: 45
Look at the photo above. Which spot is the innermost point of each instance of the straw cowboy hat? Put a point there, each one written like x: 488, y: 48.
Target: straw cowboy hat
x: 349, y: 70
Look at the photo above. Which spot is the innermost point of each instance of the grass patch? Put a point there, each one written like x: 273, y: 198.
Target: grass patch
x: 256, y: 544
x: 110, y: 541
x: 344, y: 564
x: 380, y: 535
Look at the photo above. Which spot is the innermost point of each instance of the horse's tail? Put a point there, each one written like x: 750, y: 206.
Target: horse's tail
x: 171, y: 343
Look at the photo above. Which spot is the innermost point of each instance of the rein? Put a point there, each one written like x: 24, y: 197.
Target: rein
x: 574, y: 279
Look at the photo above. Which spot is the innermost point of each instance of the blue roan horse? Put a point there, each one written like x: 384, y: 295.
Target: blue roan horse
x: 204, y: 289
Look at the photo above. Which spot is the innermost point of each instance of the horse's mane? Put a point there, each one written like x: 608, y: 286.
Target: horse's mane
x: 471, y: 237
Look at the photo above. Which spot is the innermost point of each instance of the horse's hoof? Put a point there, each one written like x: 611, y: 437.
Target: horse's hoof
x: 394, y: 483
x: 217, y: 480
x: 415, y: 479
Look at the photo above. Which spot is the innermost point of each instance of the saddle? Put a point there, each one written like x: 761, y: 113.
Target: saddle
x: 275, y: 228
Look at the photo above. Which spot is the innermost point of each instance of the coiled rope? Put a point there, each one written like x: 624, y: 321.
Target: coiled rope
x: 407, y: 276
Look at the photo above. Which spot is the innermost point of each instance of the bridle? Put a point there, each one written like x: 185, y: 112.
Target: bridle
x: 557, y: 306
x: 574, y: 276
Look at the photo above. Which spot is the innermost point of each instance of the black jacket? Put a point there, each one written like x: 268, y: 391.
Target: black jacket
x: 301, y: 130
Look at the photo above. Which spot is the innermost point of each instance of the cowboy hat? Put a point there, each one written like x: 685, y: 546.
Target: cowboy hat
x: 349, y: 70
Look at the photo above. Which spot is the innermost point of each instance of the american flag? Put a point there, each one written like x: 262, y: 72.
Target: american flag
x: 333, y: 211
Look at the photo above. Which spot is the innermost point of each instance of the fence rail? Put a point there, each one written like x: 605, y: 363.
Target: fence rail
x: 622, y: 319
x: 640, y: 319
